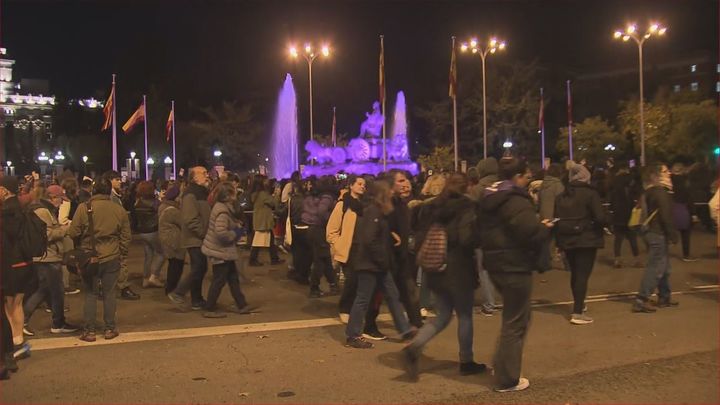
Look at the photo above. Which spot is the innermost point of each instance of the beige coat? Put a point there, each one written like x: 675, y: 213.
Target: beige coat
x: 55, y: 234
x: 339, y: 232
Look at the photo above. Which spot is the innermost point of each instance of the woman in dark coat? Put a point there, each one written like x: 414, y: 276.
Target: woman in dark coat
x: 624, y: 191
x: 453, y: 287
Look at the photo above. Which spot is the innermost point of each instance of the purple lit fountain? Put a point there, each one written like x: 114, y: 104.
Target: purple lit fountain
x: 285, y: 140
x: 363, y: 155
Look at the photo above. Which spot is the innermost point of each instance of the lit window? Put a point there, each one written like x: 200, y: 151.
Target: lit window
x: 718, y: 68
x: 676, y: 88
x: 717, y: 87
x: 693, y: 68
x: 694, y: 86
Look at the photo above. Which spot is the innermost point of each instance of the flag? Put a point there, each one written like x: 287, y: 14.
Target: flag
x: 453, y: 73
x: 137, y: 117
x: 169, y: 125
x: 382, y: 71
x: 334, y: 130
x: 108, y: 109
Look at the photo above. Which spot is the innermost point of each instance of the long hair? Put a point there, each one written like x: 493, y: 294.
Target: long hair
x: 224, y: 192
x: 381, y: 195
x: 455, y: 185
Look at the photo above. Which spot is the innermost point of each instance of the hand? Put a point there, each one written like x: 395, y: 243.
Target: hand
x: 548, y: 223
x: 396, y: 238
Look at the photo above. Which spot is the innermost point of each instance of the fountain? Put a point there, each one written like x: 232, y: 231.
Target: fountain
x: 285, y: 140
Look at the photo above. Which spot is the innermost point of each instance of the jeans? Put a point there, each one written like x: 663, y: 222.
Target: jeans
x: 50, y: 276
x: 154, y: 257
x: 349, y: 289
x: 624, y: 232
x: 487, y: 292
x: 515, y: 289
x: 445, y: 303
x: 367, y: 281
x: 581, y: 262
x: 174, y: 273
x: 193, y: 282
x: 225, y: 272
x: 108, y: 273
x: 657, y: 272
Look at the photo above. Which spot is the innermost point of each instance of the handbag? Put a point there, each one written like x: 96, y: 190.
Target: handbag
x: 85, y: 261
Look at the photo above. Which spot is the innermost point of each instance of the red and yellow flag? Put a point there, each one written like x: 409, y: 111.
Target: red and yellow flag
x: 453, y: 73
x: 108, y: 109
x: 382, y: 70
x: 169, y: 125
x: 137, y: 117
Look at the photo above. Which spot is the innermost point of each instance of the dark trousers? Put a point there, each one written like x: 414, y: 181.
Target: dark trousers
x: 409, y: 296
x: 254, y: 251
x: 108, y: 274
x: 581, y: 262
x: 6, y: 341
x: 198, y: 268
x: 321, y: 263
x: 302, y: 252
x: 685, y: 238
x: 225, y: 272
x: 50, y: 279
x: 624, y: 232
x: 515, y: 289
x: 174, y: 273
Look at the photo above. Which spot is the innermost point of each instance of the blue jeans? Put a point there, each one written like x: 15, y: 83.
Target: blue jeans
x: 193, y: 282
x: 154, y: 256
x: 657, y: 271
x: 108, y: 273
x: 50, y: 280
x: 366, y: 283
x: 487, y: 291
x: 445, y: 303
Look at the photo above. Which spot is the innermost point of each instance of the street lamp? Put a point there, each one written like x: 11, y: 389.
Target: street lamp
x: 310, y: 55
x: 631, y: 32
x: 217, y: 153
x: 84, y: 159
x: 492, y: 47
x: 167, y: 160
x: 132, y: 155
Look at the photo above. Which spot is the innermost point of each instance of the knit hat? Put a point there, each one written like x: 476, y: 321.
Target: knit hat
x: 10, y: 183
x: 172, y: 193
x: 579, y: 173
x: 56, y: 191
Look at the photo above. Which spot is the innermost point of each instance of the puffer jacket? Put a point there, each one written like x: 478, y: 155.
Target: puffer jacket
x: 55, y: 233
x: 582, y: 212
x: 223, y: 231
x: 169, y: 229
x: 549, y: 190
x: 511, y: 235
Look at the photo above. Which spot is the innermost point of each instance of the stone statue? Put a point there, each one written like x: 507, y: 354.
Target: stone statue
x: 372, y: 126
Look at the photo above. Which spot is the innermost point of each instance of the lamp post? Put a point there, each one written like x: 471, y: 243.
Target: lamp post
x: 132, y: 163
x: 474, y: 47
x: 507, y: 145
x: 310, y: 55
x: 632, y: 32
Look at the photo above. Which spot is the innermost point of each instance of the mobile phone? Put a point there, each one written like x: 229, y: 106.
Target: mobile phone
x: 554, y: 220
x: 631, y: 163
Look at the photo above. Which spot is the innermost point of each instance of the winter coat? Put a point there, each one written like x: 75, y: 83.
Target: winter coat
x: 657, y: 198
x: 223, y: 231
x: 341, y: 227
x: 682, y: 206
x: 111, y: 226
x: 55, y: 233
x: 583, y: 213
x: 170, y: 229
x: 549, y: 190
x: 458, y: 214
x: 487, y: 170
x: 195, y: 214
x: 316, y: 209
x: 10, y: 227
x: 623, y: 194
x: 263, y: 206
x: 512, y: 237
x: 371, y: 243
x: 145, y: 216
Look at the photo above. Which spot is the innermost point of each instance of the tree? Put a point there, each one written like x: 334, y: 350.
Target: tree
x: 590, y: 137
x: 441, y: 159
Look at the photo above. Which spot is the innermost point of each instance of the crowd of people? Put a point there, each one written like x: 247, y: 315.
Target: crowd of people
x: 415, y: 242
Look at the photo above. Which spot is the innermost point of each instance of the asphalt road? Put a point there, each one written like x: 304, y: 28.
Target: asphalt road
x: 292, y: 350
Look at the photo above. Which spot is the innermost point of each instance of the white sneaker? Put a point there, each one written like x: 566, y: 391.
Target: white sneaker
x: 580, y: 319
x: 423, y: 312
x: 344, y: 318
x: 523, y: 383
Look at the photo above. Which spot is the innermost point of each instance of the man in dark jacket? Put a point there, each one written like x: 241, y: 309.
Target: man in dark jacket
x: 514, y: 243
x: 624, y: 190
x: 660, y: 231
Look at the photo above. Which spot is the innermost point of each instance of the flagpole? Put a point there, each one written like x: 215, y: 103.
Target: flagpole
x: 334, y: 130
x: 454, y: 99
x: 542, y: 129
x: 382, y: 49
x: 570, y: 140
x: 172, y: 108
x: 147, y: 175
x: 114, y: 128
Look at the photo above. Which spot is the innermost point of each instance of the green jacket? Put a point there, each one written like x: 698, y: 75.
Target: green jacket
x: 170, y: 228
x: 111, y: 225
x: 195, y: 215
x: 263, y: 206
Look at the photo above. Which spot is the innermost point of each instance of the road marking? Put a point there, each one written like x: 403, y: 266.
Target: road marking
x: 134, y: 337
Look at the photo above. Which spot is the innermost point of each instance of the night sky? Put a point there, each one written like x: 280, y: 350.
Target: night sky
x: 203, y: 52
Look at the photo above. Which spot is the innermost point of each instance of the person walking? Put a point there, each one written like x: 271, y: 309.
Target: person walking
x: 624, y: 192
x: 169, y: 231
x: 317, y: 206
x: 579, y: 234
x: 263, y: 221
x: 682, y: 208
x: 145, y: 226
x: 454, y: 287
x: 515, y: 243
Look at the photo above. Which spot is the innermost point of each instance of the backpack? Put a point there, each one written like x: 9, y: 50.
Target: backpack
x: 32, y: 237
x: 432, y: 255
x: 574, y: 220
x: 639, y: 219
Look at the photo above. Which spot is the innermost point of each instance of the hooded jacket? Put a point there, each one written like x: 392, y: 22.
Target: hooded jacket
x: 55, y: 233
x: 487, y: 170
x: 623, y: 193
x: 195, y: 213
x: 550, y: 188
x: 170, y: 229
x: 219, y: 242
x: 581, y: 206
x: 371, y: 246
x: 512, y: 237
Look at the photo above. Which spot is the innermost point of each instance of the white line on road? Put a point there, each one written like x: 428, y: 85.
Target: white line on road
x: 134, y: 337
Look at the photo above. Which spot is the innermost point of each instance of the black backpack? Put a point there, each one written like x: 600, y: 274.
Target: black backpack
x: 32, y: 236
x: 572, y: 215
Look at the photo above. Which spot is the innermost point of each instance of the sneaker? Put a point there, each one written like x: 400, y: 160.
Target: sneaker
x: 580, y: 319
x: 27, y: 331
x: 523, y: 383
x: 689, y: 259
x: 317, y: 293
x: 199, y: 305
x: 176, y: 298
x: 358, y: 343
x: 71, y: 291
x: 423, y: 312
x: 374, y: 335
x: 643, y: 306
x: 485, y: 311
x: 638, y: 263
x: 617, y: 264
x: 247, y: 309
x: 344, y: 318
x: 276, y: 262
x: 153, y: 282
x: 10, y: 363
x: 21, y: 351
x: 129, y: 295
x: 111, y: 334
x: 67, y: 328
x: 472, y: 368
x: 88, y: 336
x: 409, y: 335
x: 410, y: 363
x: 214, y: 314
x: 666, y: 303
x: 49, y: 311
